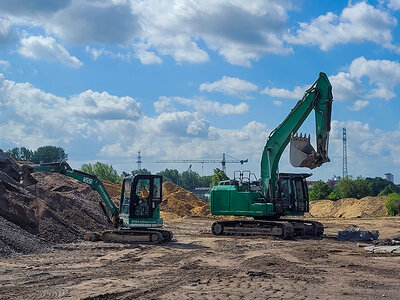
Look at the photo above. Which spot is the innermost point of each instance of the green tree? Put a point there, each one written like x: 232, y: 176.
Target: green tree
x: 21, y: 153
x: 205, y: 181
x: 389, y: 189
x: 142, y: 172
x: 353, y: 188
x: 392, y: 204
x: 377, y: 184
x: 333, y: 196
x: 218, y: 176
x: 102, y: 171
x: 320, y: 190
x: 189, y: 180
x: 170, y: 175
x: 48, y: 154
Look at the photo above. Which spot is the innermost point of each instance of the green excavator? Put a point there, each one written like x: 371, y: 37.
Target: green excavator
x: 276, y: 194
x: 138, y: 217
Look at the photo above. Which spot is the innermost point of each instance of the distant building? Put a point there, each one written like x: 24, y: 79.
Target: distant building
x: 389, y: 176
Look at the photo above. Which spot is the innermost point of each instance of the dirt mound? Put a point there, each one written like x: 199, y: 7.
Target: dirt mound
x: 349, y: 208
x: 113, y: 189
x: 58, y: 209
x: 183, y: 203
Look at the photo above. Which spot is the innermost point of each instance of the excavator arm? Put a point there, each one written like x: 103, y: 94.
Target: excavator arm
x: 302, y: 154
x: 65, y: 169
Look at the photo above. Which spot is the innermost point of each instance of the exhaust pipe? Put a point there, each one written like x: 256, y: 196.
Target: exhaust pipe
x: 303, y: 154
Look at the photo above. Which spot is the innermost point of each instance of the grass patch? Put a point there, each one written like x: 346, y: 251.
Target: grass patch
x: 392, y: 204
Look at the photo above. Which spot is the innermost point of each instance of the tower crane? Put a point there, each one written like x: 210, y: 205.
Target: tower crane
x: 223, y: 162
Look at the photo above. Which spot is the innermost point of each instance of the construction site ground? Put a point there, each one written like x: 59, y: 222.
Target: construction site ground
x: 198, y: 265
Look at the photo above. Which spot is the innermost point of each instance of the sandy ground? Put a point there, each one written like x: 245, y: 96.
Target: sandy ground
x: 198, y: 265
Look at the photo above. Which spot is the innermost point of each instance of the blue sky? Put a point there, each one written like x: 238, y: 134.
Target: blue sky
x: 195, y: 79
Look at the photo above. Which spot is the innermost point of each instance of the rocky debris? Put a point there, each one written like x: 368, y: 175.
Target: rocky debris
x: 356, y: 234
x: 349, y: 208
x: 15, y: 240
x: 390, y: 245
x: 183, y: 203
x: 393, y: 241
x: 9, y: 166
x: 58, y: 209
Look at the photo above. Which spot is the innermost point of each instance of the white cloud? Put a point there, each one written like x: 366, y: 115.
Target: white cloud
x: 393, y: 4
x: 96, y: 53
x: 186, y: 30
x: 4, y: 64
x: 34, y: 118
x: 7, y: 34
x: 103, y: 106
x: 345, y: 86
x: 385, y: 74
x: 368, y: 150
x: 296, y: 93
x: 360, y: 104
x: 376, y: 70
x: 357, y: 23
x: 166, y: 104
x: 46, y: 48
x: 147, y: 57
x: 277, y: 102
x: 98, y: 22
x: 240, y: 32
x: 230, y: 85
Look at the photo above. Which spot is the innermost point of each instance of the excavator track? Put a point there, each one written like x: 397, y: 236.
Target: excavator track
x: 285, y: 229
x: 129, y: 236
x: 281, y: 229
x: 305, y: 227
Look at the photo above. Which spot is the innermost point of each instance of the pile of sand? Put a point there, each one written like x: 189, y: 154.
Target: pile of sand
x: 113, y: 189
x: 178, y: 201
x: 349, y: 208
x: 58, y: 209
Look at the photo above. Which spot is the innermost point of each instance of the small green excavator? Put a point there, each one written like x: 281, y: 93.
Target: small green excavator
x: 278, y: 194
x: 138, y: 217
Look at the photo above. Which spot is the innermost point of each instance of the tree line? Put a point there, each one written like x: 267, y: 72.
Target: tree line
x: 359, y: 188
x: 187, y: 179
x: 42, y: 154
x: 353, y: 188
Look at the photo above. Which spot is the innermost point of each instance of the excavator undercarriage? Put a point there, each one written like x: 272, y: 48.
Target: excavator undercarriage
x: 285, y: 229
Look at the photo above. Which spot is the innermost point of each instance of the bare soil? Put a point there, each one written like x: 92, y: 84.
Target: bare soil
x: 198, y: 265
x: 42, y: 255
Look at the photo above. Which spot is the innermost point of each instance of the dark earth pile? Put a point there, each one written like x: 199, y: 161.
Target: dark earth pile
x: 57, y: 209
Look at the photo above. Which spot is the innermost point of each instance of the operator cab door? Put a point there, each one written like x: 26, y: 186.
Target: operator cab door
x: 292, y: 194
x: 145, y: 195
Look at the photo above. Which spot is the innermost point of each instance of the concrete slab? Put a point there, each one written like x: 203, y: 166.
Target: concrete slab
x: 383, y: 249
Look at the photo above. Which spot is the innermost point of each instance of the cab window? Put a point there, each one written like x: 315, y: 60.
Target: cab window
x: 157, y: 188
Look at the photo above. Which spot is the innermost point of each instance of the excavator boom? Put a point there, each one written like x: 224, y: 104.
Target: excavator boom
x: 302, y: 154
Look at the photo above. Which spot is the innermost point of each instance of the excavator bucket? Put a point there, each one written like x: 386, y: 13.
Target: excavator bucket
x: 302, y: 153
x: 26, y: 179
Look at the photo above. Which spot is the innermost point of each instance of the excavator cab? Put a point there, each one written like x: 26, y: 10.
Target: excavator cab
x: 141, y: 196
x: 291, y: 193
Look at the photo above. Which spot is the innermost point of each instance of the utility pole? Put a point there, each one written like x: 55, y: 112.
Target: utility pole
x: 139, y: 161
x: 344, y: 154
